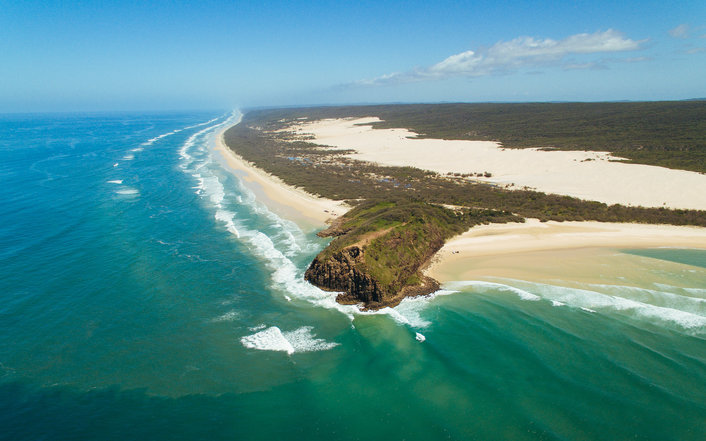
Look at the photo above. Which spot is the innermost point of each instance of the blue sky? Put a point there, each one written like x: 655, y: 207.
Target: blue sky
x: 134, y: 55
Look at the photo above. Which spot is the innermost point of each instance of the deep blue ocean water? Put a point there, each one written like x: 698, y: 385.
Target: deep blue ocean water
x: 145, y: 293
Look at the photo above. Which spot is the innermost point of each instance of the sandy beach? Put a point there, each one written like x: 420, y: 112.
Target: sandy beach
x: 587, y: 175
x: 290, y: 202
x: 542, y: 250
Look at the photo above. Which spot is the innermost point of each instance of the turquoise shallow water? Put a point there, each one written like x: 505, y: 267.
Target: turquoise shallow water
x: 146, y: 294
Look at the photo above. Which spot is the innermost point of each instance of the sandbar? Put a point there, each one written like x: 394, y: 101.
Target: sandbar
x: 538, y: 250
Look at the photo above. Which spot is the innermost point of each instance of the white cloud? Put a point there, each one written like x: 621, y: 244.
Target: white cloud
x: 514, y: 54
x: 636, y: 59
x: 681, y: 31
x: 583, y: 66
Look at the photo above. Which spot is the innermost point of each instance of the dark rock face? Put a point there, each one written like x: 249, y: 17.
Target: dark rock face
x: 344, y: 271
x: 340, y: 272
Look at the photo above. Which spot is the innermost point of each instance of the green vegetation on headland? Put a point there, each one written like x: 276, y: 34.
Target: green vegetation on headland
x: 401, y: 215
x: 380, y: 248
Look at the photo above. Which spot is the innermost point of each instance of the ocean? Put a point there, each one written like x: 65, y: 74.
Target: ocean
x: 146, y: 293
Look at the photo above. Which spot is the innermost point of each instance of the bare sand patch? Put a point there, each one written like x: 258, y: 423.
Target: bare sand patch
x: 586, y: 175
x: 538, y: 249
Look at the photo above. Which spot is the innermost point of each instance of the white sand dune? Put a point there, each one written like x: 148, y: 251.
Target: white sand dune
x: 586, y: 175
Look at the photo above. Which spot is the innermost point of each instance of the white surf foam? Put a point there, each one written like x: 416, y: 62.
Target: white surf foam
x: 483, y: 286
x: 592, y: 301
x: 128, y: 191
x: 299, y: 340
x: 270, y: 339
x: 191, y: 141
x: 699, y: 293
x: 227, y: 317
x: 684, y: 312
x: 203, y: 123
x: 409, y: 311
x: 227, y: 217
x: 682, y: 301
x: 303, y: 340
x: 157, y: 138
x: 174, y: 132
x: 116, y: 181
x: 195, y: 158
x: 129, y: 157
x: 288, y: 234
x: 420, y: 337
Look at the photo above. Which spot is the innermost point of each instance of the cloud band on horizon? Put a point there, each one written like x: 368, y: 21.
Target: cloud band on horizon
x: 506, y: 56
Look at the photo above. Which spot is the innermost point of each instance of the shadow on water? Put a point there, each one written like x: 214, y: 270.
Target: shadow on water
x: 59, y: 413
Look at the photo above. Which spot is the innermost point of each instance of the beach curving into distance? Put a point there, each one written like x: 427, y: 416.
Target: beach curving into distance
x: 283, y: 199
x: 596, y: 176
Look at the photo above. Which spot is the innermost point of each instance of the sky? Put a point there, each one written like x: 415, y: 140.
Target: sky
x: 184, y: 55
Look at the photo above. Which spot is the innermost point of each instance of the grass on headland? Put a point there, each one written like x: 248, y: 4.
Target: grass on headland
x: 400, y: 236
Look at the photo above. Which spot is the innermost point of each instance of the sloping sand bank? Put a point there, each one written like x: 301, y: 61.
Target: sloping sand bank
x: 530, y: 250
x: 290, y: 202
x: 586, y: 175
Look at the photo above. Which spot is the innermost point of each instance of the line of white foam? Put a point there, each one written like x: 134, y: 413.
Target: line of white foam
x: 157, y: 138
x: 298, y: 340
x: 686, y: 303
x: 203, y: 123
x: 485, y: 286
x: 128, y: 191
x: 592, y: 301
x: 191, y: 140
x: 174, y: 132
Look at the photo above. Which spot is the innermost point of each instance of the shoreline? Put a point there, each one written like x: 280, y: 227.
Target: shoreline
x: 541, y: 250
x: 290, y: 202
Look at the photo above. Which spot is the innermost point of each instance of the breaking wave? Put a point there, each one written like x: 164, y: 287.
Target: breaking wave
x: 684, y: 312
x: 299, y: 340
